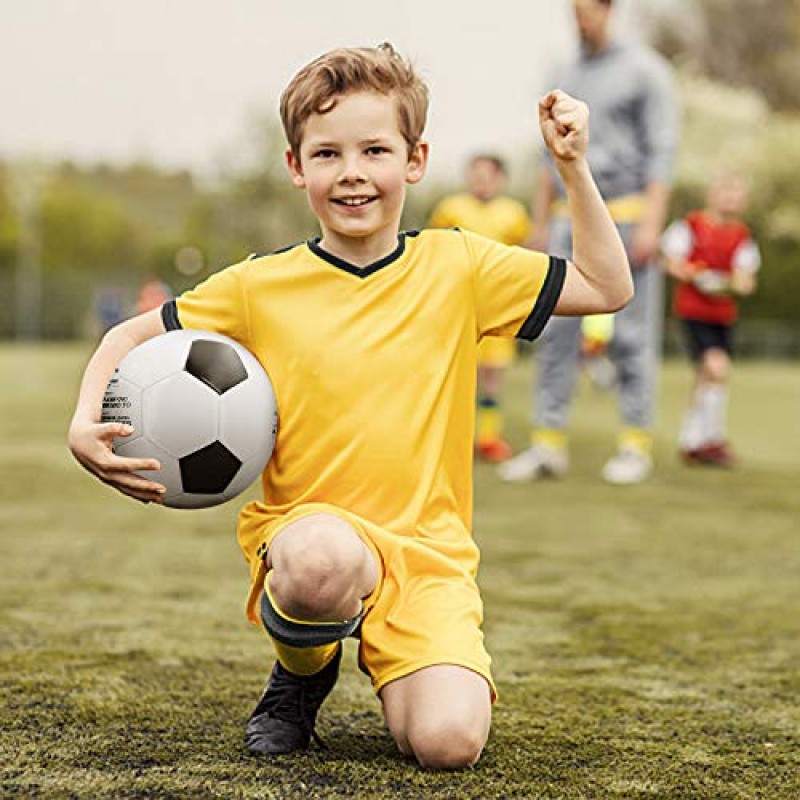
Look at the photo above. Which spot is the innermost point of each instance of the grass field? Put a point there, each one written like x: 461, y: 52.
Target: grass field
x: 646, y: 640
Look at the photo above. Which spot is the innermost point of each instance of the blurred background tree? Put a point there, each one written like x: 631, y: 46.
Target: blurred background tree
x: 737, y: 64
x: 105, y: 228
x: 752, y: 44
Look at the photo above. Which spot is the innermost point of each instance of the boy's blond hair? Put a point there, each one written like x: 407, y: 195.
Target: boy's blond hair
x: 317, y: 86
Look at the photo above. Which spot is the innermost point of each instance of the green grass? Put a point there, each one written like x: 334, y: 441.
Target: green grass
x: 645, y: 639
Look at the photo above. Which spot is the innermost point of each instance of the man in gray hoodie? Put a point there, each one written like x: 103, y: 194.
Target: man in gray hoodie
x: 635, y: 119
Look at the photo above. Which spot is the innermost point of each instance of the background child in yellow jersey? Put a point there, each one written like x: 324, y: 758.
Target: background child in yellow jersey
x: 485, y: 210
x: 370, y: 338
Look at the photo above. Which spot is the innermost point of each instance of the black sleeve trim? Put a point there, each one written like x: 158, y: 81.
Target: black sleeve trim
x: 546, y: 301
x: 169, y: 316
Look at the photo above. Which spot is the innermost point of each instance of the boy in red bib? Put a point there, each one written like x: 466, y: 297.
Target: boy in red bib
x: 714, y: 259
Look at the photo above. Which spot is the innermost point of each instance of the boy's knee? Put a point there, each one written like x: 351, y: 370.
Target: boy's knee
x: 446, y: 745
x: 317, y: 567
x: 716, y: 364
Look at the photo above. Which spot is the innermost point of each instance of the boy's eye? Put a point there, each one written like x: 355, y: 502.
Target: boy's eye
x: 324, y: 152
x: 376, y: 150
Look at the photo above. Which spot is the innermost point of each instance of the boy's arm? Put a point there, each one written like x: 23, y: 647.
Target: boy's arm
x: 717, y: 284
x: 679, y: 268
x: 743, y: 283
x: 599, y: 279
x: 746, y: 264
x: 676, y: 245
x: 89, y: 439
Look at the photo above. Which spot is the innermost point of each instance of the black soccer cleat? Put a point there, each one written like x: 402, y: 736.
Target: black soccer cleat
x: 283, y: 721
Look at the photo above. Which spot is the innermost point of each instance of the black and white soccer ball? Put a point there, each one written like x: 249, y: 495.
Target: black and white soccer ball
x: 203, y: 406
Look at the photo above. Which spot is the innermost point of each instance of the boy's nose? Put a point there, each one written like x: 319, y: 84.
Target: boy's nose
x: 352, y: 171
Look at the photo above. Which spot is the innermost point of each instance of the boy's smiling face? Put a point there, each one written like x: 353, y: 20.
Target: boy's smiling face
x: 354, y: 163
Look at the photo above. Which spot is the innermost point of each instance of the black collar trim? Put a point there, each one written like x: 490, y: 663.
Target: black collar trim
x: 370, y: 269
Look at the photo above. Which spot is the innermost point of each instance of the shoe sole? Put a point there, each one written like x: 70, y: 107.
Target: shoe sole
x: 540, y: 474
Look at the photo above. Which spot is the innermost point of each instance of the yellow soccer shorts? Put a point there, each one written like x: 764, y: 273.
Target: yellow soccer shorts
x: 426, y: 609
x: 495, y: 351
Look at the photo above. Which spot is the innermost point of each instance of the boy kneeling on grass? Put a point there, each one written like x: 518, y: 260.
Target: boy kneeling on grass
x: 369, y: 335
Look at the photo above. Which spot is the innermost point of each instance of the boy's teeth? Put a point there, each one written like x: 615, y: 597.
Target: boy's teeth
x: 354, y: 201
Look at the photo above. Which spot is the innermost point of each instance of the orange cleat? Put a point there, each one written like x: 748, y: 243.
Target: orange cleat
x: 493, y: 450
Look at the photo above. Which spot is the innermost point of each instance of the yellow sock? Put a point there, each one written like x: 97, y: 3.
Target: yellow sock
x: 637, y: 439
x: 305, y: 660
x: 554, y: 438
x: 300, y: 660
x: 490, y: 420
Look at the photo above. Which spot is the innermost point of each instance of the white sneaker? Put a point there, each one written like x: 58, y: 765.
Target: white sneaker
x: 538, y: 461
x: 628, y: 466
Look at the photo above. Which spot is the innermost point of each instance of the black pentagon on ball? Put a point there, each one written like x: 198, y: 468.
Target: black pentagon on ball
x: 208, y: 470
x: 216, y: 364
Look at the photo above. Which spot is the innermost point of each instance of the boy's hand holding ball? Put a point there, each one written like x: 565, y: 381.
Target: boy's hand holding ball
x: 712, y: 282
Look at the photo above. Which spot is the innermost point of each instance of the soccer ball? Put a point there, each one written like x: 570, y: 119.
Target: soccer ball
x: 203, y: 406
x: 712, y: 282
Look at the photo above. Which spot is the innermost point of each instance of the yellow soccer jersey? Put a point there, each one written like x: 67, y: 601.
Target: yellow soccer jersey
x: 502, y: 219
x: 374, y: 370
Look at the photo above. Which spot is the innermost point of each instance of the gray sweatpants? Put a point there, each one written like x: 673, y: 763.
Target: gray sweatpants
x: 634, y: 349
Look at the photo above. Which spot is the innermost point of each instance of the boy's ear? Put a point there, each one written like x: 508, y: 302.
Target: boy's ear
x: 295, y: 169
x: 417, y: 162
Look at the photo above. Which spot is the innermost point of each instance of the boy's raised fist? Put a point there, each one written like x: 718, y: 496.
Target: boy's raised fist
x: 564, y: 122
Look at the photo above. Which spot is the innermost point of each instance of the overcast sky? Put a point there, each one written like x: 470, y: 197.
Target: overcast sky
x: 176, y: 81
